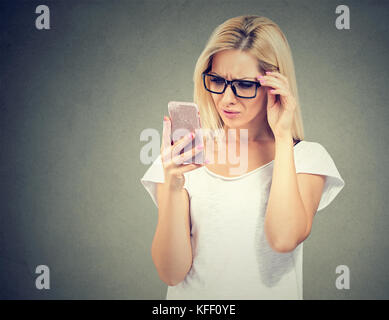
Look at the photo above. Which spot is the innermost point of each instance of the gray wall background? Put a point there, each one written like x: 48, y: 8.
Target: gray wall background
x: 74, y: 100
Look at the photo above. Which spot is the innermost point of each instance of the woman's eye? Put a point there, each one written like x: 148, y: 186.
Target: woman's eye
x: 217, y: 80
x: 245, y: 85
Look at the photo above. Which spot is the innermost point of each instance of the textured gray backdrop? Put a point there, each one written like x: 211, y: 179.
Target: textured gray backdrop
x: 74, y: 100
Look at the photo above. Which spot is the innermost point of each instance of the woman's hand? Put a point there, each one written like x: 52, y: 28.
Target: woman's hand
x: 172, y: 159
x: 280, y: 112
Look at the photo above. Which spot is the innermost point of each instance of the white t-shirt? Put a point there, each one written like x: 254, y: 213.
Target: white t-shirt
x: 231, y: 256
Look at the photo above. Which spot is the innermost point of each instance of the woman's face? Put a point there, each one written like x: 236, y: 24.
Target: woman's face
x: 236, y: 64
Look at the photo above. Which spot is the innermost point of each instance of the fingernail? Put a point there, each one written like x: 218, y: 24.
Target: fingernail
x: 165, y: 118
x: 268, y: 72
x: 190, y: 135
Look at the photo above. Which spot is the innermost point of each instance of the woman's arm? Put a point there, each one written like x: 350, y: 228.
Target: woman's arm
x: 290, y: 211
x: 171, y: 248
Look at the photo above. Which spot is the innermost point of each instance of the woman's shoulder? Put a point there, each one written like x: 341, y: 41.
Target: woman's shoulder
x: 307, y: 145
x: 308, y: 151
x: 311, y: 155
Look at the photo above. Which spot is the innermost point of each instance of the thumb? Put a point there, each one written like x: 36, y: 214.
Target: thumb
x: 271, y: 99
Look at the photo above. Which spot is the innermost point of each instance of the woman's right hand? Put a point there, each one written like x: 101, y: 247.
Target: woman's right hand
x: 172, y: 159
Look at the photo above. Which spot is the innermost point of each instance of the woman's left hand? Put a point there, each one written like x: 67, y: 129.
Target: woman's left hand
x: 280, y: 112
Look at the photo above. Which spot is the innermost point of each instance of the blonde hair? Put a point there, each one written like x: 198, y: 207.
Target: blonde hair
x: 263, y: 39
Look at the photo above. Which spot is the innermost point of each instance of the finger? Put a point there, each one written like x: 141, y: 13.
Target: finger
x: 283, y: 79
x: 271, y: 99
x: 271, y: 82
x: 277, y: 75
x: 179, y: 159
x: 279, y: 91
x: 180, y: 144
x: 166, y: 134
x: 173, y: 150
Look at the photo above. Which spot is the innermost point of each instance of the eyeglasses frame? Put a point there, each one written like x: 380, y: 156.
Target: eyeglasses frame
x: 230, y: 83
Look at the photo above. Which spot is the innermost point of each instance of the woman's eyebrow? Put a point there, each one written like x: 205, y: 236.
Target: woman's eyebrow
x: 235, y: 78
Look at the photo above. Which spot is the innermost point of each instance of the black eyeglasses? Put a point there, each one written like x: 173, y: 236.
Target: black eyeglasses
x: 241, y: 88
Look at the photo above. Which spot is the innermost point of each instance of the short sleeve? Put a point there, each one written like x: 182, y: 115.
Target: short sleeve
x: 154, y: 175
x: 313, y: 158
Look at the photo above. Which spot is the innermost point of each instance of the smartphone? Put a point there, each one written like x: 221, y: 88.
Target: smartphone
x: 185, y: 118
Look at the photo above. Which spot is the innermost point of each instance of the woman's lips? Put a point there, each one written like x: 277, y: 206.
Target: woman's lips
x: 230, y: 114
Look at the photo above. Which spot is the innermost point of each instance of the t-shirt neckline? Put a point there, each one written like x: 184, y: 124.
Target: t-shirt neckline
x: 247, y: 173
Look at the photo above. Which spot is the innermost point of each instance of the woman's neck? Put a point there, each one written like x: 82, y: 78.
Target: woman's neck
x: 245, y: 135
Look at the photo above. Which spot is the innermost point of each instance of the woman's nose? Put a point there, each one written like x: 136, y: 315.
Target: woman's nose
x: 229, y: 95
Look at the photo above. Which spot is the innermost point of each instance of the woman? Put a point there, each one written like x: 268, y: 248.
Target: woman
x: 225, y: 234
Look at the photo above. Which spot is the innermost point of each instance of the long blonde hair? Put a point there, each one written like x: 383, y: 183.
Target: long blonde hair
x: 262, y: 38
